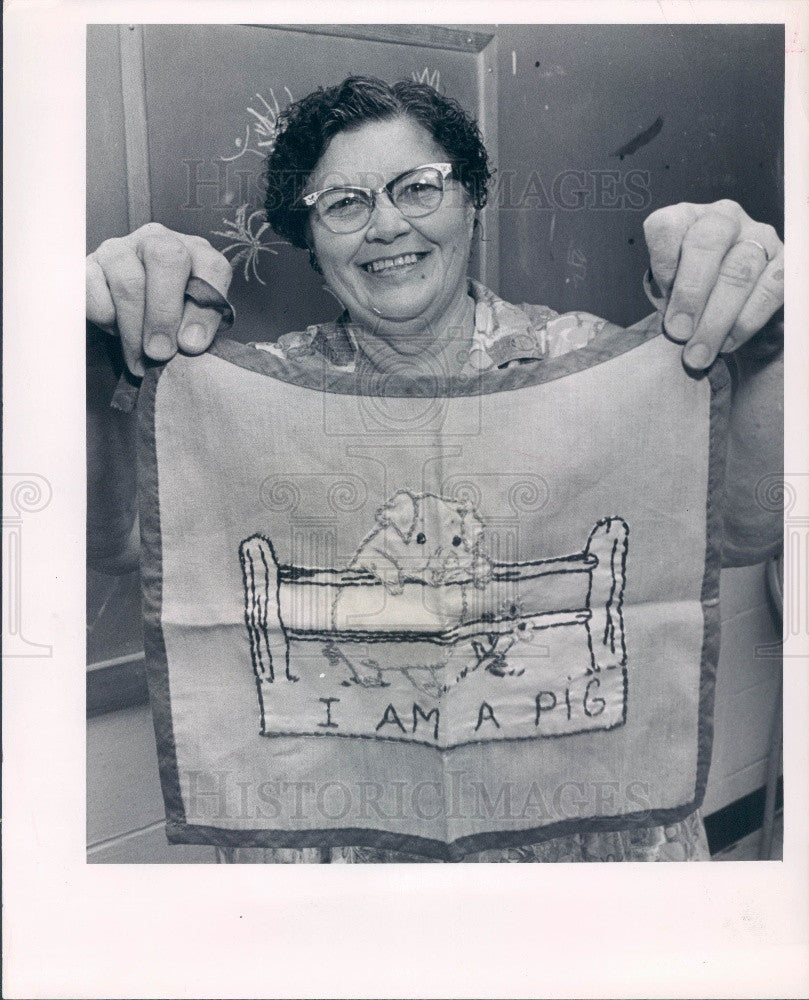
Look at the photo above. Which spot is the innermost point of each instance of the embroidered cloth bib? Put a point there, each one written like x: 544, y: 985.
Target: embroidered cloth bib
x: 433, y: 615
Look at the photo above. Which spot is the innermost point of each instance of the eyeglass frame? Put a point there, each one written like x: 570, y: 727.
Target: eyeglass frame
x: 445, y: 169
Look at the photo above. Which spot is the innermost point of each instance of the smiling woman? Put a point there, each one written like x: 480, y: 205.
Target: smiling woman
x: 383, y: 185
x: 401, y: 278
x: 401, y: 271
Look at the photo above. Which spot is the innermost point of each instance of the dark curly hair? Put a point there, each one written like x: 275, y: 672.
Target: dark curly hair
x: 306, y: 127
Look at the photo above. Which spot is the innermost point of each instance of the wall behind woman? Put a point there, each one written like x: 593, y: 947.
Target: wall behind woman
x: 598, y: 126
x: 704, y: 106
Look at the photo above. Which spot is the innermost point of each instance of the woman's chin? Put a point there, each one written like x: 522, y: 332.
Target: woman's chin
x: 402, y: 310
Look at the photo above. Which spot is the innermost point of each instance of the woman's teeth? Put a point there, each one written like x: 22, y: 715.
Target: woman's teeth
x: 388, y: 262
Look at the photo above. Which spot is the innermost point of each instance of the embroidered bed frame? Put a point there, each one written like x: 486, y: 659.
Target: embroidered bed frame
x: 289, y: 603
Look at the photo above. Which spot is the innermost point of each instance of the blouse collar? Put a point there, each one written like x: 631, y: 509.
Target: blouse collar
x: 504, y: 333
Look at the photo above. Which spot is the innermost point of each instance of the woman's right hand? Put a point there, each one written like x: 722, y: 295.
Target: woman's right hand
x: 136, y: 290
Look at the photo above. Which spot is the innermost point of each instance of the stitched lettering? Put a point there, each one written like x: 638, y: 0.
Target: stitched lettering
x: 419, y: 711
x: 595, y: 705
x: 486, y: 713
x: 328, y: 724
x: 390, y: 717
x: 550, y: 703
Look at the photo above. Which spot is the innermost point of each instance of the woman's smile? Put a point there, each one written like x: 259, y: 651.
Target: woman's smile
x: 394, y: 266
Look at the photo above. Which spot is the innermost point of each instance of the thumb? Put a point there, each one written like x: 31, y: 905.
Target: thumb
x: 206, y: 313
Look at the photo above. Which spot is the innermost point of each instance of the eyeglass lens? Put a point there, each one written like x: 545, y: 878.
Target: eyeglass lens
x: 417, y: 193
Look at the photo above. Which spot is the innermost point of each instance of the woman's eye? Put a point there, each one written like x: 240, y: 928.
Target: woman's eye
x: 420, y: 193
x: 344, y: 204
x: 419, y: 189
x: 456, y: 541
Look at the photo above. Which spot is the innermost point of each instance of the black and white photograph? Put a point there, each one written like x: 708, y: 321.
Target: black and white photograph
x: 426, y: 487
x: 452, y: 362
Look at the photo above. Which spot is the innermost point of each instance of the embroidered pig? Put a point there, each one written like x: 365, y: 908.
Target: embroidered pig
x: 426, y: 538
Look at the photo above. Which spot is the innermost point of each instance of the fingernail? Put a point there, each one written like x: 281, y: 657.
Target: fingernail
x: 194, y: 337
x: 160, y: 347
x: 697, y: 355
x: 680, y: 326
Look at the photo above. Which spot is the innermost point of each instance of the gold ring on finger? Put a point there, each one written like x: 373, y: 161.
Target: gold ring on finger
x: 761, y: 247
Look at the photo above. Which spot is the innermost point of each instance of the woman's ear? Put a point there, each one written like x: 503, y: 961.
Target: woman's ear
x: 310, y: 244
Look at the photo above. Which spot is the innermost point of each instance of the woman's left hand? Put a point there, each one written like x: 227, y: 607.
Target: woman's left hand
x: 723, y: 275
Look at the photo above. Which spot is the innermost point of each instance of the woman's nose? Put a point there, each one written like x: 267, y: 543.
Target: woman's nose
x: 387, y: 222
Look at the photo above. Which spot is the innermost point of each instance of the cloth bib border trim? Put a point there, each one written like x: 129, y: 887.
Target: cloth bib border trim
x: 611, y: 344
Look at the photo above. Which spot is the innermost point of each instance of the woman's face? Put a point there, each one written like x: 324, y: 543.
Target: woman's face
x: 406, y: 297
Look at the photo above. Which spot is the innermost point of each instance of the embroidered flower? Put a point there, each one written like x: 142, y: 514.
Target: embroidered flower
x: 247, y: 240
x: 262, y: 131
